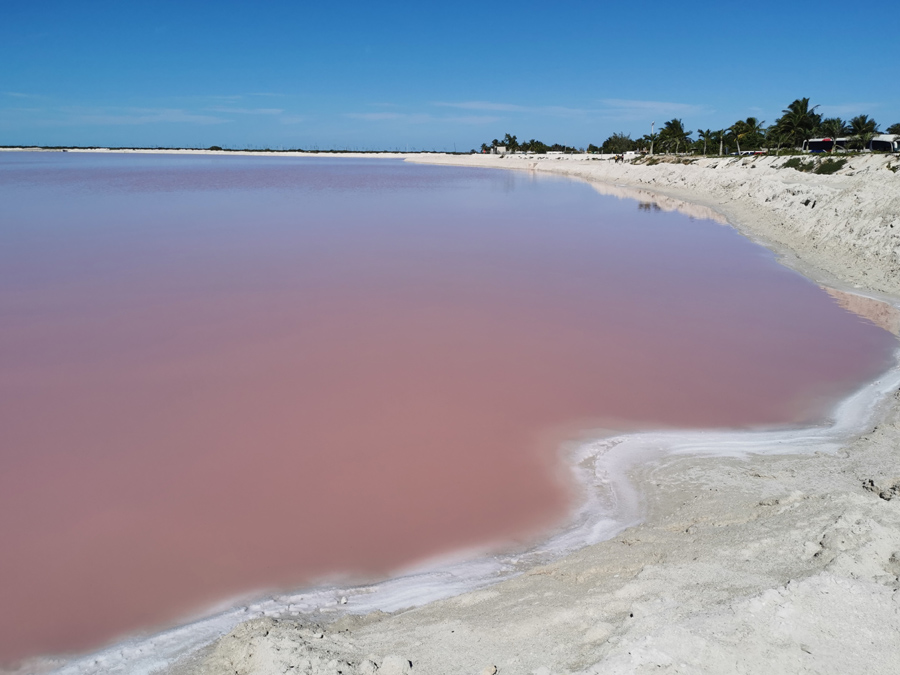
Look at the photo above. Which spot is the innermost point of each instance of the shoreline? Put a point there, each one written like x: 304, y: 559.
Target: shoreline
x: 774, y: 206
x: 672, y: 184
x: 658, y: 594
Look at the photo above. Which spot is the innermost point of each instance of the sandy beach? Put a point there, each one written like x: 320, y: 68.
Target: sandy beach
x: 770, y: 553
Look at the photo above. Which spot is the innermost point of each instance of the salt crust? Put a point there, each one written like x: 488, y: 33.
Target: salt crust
x: 781, y: 555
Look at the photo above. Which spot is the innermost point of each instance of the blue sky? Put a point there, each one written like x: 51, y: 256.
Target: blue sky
x: 428, y: 75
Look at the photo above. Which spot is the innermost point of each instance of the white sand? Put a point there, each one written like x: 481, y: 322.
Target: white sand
x: 748, y: 561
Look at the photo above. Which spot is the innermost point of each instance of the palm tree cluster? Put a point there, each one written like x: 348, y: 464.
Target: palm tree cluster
x: 511, y: 143
x: 799, y: 122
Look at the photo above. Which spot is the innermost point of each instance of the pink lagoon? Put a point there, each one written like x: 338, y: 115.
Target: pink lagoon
x: 220, y: 375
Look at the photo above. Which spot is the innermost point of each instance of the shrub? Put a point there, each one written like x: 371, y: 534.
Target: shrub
x: 214, y: 147
x: 829, y: 166
x: 798, y: 164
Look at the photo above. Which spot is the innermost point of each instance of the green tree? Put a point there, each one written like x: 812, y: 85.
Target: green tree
x: 706, y: 136
x: 643, y: 143
x: 719, y: 137
x: 799, y: 122
x: 750, y: 133
x: 674, y: 135
x: 534, y: 146
x: 733, y: 133
x: 862, y: 129
x: 617, y: 144
x: 511, y: 143
x: 893, y: 129
x: 834, y: 128
x: 777, y: 136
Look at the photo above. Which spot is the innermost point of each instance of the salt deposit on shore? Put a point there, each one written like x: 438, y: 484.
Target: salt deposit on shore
x: 751, y: 560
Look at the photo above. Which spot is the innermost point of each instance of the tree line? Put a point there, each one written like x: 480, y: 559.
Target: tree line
x: 511, y: 143
x: 798, y: 122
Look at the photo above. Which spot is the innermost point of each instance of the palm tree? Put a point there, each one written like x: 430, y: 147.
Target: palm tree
x: 755, y: 133
x: 511, y: 143
x: 778, y: 136
x: 735, y: 132
x: 799, y: 121
x: 674, y: 133
x: 863, y: 127
x: 749, y: 130
x: 705, y: 136
x: 834, y: 128
x: 720, y: 136
x: 645, y: 142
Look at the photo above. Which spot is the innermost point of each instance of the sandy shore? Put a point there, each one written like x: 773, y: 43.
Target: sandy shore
x: 748, y: 561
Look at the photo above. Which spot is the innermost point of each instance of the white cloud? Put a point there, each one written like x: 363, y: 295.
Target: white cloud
x: 142, y: 116
x: 625, y: 108
x: 421, y: 118
x: 493, y: 106
x: 377, y: 116
x: 483, y: 105
x: 473, y: 119
x: 610, y: 108
x: 229, y: 97
x: 846, y: 109
x: 248, y: 111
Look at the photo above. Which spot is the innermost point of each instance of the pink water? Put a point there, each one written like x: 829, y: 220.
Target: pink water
x: 219, y: 375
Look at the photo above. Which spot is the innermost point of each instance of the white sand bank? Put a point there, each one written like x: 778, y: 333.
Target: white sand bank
x: 749, y: 561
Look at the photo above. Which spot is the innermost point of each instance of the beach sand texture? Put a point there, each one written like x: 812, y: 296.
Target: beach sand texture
x: 755, y: 563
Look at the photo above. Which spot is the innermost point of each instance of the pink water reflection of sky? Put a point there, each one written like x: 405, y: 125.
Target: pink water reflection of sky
x: 221, y: 375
